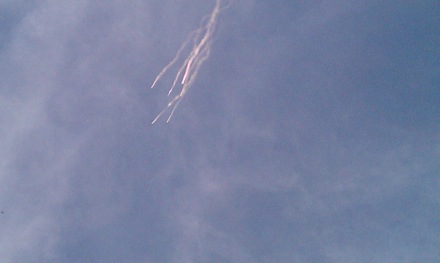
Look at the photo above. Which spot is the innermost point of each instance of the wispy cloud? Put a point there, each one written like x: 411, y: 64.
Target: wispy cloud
x: 299, y: 141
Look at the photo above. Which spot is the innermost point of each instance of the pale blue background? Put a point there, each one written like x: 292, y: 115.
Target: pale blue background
x: 312, y: 133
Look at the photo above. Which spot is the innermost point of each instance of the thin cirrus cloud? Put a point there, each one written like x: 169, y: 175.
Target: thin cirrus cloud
x: 310, y: 133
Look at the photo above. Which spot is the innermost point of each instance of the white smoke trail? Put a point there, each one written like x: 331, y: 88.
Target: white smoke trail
x: 202, y: 41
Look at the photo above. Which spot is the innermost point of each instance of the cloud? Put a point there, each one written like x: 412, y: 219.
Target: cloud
x: 304, y: 137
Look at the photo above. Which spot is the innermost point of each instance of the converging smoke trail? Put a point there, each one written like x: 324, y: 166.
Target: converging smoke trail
x: 202, y: 41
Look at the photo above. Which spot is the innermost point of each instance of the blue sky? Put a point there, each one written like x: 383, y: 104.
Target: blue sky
x: 312, y: 133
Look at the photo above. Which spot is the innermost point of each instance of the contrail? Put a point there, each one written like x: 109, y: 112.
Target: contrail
x: 202, y: 41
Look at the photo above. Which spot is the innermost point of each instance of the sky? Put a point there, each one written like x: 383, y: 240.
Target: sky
x: 311, y: 134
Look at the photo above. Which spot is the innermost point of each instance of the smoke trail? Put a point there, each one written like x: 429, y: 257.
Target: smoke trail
x: 202, y: 41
